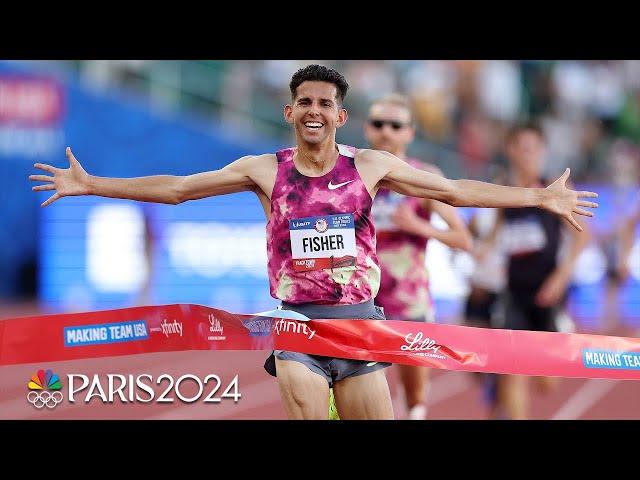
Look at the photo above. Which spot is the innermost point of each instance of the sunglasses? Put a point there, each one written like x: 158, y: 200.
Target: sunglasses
x: 392, y: 123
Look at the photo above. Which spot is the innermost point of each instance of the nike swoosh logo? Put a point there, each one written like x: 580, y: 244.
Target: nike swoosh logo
x: 371, y: 364
x: 333, y: 187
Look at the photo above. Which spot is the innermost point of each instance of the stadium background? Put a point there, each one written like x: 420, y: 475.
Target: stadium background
x: 131, y: 118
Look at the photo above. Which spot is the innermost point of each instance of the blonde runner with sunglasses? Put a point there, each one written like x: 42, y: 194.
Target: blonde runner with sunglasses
x: 403, y: 230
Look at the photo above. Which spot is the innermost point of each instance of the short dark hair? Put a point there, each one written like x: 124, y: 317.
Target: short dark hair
x: 525, y: 126
x: 319, y: 73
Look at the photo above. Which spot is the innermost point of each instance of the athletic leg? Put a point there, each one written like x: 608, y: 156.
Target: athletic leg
x: 545, y: 385
x: 363, y: 397
x: 512, y: 390
x: 414, y: 381
x: 304, y: 393
x: 512, y: 396
x: 545, y: 319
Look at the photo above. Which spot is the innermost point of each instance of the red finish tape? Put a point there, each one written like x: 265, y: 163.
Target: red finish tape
x: 137, y: 330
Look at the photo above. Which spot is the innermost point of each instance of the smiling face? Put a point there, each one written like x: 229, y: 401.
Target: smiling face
x: 389, y: 128
x: 315, y: 113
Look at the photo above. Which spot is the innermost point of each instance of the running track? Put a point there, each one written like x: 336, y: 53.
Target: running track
x: 452, y: 395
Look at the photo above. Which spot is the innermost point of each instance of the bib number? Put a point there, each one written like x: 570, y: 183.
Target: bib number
x: 327, y: 241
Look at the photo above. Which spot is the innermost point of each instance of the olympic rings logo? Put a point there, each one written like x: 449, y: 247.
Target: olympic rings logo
x: 42, y: 399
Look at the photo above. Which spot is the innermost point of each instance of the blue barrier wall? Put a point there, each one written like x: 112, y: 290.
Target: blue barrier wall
x: 111, y: 135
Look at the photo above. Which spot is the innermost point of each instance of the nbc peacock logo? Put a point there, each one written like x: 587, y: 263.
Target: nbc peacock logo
x: 45, y: 389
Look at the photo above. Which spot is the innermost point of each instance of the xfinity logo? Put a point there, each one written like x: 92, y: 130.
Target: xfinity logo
x: 172, y: 328
x: 292, y: 326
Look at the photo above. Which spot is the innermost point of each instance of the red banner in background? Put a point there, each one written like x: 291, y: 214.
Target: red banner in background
x: 137, y: 330
x: 30, y: 100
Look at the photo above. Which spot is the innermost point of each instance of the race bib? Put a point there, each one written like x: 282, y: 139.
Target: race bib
x: 523, y: 237
x: 327, y: 241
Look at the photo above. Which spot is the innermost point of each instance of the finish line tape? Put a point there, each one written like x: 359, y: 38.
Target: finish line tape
x: 169, y: 328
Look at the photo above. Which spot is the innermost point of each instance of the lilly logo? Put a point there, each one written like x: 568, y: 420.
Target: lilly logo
x: 45, y: 381
x: 418, y: 343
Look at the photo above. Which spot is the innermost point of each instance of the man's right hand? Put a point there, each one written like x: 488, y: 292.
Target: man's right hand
x: 564, y: 202
x: 65, y: 181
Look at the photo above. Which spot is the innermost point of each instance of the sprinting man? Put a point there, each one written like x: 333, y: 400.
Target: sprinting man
x: 403, y: 230
x: 317, y: 199
x: 538, y: 274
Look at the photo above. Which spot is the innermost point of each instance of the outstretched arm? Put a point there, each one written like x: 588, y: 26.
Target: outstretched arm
x: 170, y: 189
x: 401, y: 177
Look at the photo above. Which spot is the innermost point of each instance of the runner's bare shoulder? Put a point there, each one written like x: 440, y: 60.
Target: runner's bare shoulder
x: 375, y: 160
x: 262, y: 169
x: 259, y: 162
x: 373, y: 165
x: 366, y: 155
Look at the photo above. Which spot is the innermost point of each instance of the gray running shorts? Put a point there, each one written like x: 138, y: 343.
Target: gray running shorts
x: 332, y: 369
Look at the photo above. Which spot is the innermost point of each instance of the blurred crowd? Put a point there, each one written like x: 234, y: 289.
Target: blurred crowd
x: 590, y: 110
